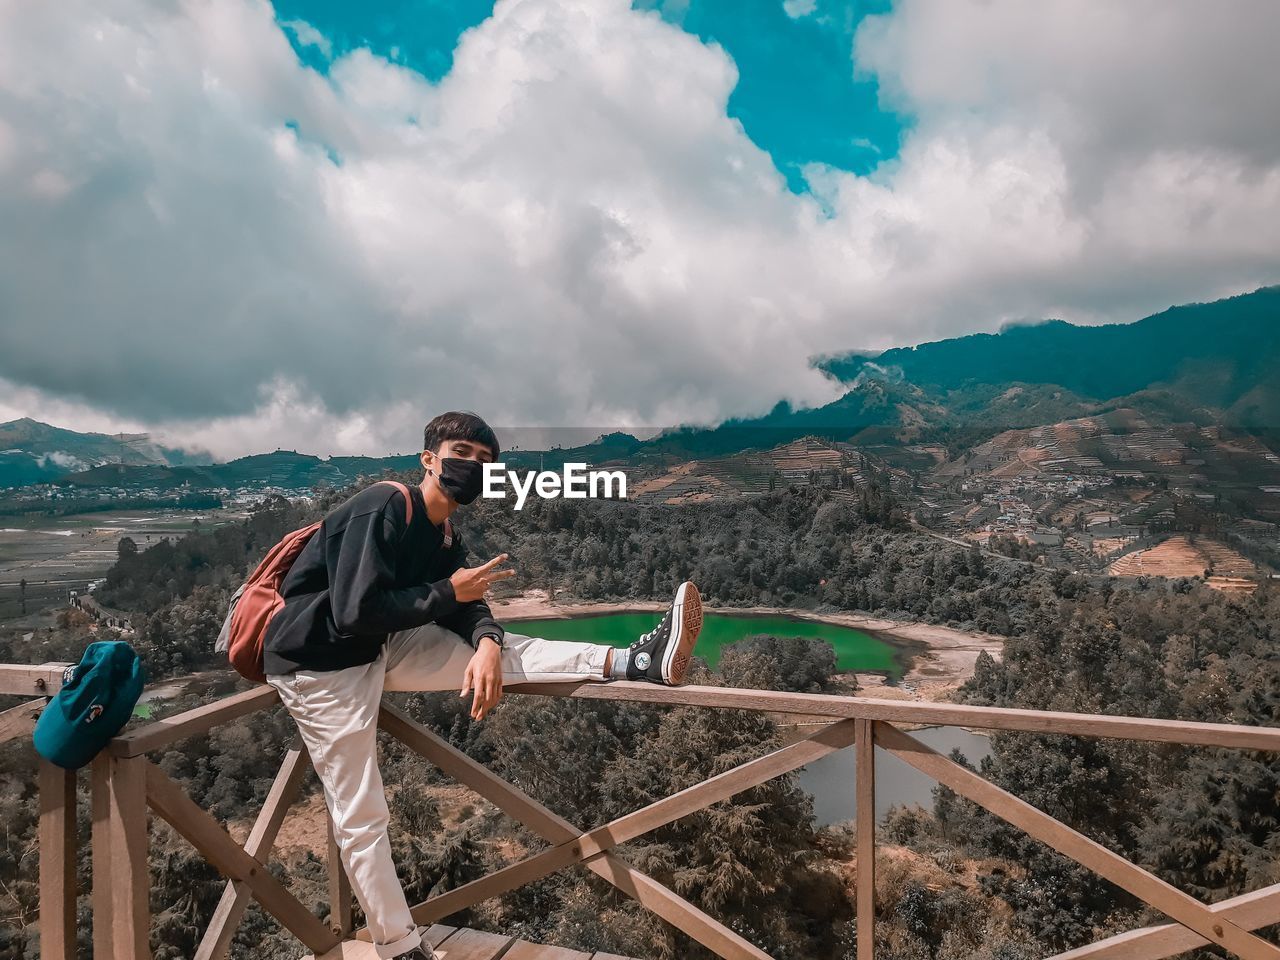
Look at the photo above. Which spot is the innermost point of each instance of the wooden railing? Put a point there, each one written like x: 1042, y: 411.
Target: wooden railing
x: 125, y: 784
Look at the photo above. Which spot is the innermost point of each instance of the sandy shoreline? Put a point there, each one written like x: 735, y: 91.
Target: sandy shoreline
x: 941, y: 658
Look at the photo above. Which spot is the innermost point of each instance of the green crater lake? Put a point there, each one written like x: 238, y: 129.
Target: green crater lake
x: 855, y: 650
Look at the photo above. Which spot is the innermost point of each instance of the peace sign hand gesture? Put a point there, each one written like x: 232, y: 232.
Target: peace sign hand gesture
x: 471, y: 583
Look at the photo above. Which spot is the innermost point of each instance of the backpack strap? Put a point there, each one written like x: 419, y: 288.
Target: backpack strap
x: 408, y: 511
x: 408, y: 499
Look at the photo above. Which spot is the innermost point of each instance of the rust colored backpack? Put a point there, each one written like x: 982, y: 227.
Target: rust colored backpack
x: 258, y: 600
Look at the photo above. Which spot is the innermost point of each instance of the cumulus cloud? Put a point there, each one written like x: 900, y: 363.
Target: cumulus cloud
x: 207, y: 238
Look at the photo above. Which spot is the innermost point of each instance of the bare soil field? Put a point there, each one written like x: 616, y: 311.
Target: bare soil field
x: 1185, y: 556
x: 57, y: 554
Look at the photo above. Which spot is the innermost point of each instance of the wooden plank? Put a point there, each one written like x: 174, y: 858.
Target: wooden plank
x: 360, y: 950
x: 126, y: 879
x: 204, y: 833
x: 706, y: 930
x: 19, y: 721
x: 1088, y: 853
x: 608, y: 956
x: 191, y: 723
x: 100, y: 808
x: 930, y: 714
x: 340, y: 914
x: 467, y: 944
x: 57, y: 839
x: 1250, y: 911
x: 524, y: 950
x: 235, y: 898
x: 32, y: 680
x: 865, y: 795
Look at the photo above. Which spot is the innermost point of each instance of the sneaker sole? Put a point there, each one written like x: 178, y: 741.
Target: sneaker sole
x: 688, y: 621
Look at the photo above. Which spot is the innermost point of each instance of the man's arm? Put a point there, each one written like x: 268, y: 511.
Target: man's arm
x: 362, y: 593
x: 473, y: 619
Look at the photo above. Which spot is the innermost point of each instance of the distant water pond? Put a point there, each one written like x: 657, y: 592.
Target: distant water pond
x: 855, y: 650
x: 831, y: 779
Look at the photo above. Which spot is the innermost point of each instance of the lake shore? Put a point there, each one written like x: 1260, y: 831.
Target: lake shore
x: 939, y: 659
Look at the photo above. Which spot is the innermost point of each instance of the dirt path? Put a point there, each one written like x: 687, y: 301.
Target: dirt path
x: 942, y: 658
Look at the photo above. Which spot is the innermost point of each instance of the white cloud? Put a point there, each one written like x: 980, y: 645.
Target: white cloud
x: 799, y: 8
x: 205, y: 238
x: 308, y: 36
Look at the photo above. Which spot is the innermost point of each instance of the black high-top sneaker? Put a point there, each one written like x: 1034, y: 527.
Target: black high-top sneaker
x: 418, y: 953
x: 663, y: 654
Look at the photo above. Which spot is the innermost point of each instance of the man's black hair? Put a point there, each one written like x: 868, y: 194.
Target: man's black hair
x: 456, y: 425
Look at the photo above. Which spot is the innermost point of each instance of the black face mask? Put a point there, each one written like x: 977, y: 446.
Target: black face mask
x: 461, y: 479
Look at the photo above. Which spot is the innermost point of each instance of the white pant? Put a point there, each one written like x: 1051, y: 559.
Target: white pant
x: 337, y: 716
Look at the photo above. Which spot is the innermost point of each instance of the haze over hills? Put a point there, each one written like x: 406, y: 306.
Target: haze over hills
x: 1199, y: 365
x: 35, y: 452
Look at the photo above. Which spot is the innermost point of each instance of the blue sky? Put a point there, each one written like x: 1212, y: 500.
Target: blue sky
x: 796, y: 97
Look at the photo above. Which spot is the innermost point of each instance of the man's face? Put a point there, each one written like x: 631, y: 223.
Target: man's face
x: 461, y: 449
x: 466, y: 450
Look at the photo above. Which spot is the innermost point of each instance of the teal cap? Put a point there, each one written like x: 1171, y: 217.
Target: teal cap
x: 96, y: 700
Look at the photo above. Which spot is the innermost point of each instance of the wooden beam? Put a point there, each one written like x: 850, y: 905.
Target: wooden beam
x: 191, y: 723
x: 57, y: 838
x: 121, y: 872
x: 19, y: 721
x: 1250, y: 911
x: 928, y: 714
x: 31, y: 680
x: 553, y: 828
x: 676, y: 910
x: 1088, y: 853
x: 103, y: 907
x: 235, y: 898
x: 340, y: 914
x: 865, y: 796
x: 204, y: 833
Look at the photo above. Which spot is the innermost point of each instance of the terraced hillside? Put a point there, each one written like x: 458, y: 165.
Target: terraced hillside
x: 1186, y: 556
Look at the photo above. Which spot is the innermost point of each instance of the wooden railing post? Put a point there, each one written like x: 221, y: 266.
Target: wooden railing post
x: 57, y: 838
x: 340, y: 919
x: 865, y: 812
x: 121, y: 874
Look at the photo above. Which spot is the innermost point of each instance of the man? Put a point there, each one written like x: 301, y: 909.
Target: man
x: 379, y: 602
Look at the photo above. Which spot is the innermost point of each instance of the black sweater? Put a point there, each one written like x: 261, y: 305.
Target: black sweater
x: 364, y: 575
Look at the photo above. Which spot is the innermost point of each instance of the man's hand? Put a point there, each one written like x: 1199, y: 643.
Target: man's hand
x: 470, y: 583
x: 484, y: 675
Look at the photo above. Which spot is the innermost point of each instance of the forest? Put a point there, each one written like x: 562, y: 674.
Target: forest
x: 953, y: 881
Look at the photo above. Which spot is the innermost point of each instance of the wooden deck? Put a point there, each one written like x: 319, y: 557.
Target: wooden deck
x: 459, y: 943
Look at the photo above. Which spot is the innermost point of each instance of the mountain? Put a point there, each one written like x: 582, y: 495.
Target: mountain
x: 35, y: 452
x: 1201, y: 364
x: 1221, y: 355
x: 283, y: 468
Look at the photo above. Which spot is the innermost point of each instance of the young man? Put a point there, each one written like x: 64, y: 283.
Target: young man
x: 376, y: 603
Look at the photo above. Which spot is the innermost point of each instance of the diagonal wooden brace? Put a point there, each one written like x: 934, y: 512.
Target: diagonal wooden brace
x: 1261, y: 908
x: 590, y: 848
x: 235, y: 898
x: 230, y: 859
x: 1144, y: 885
